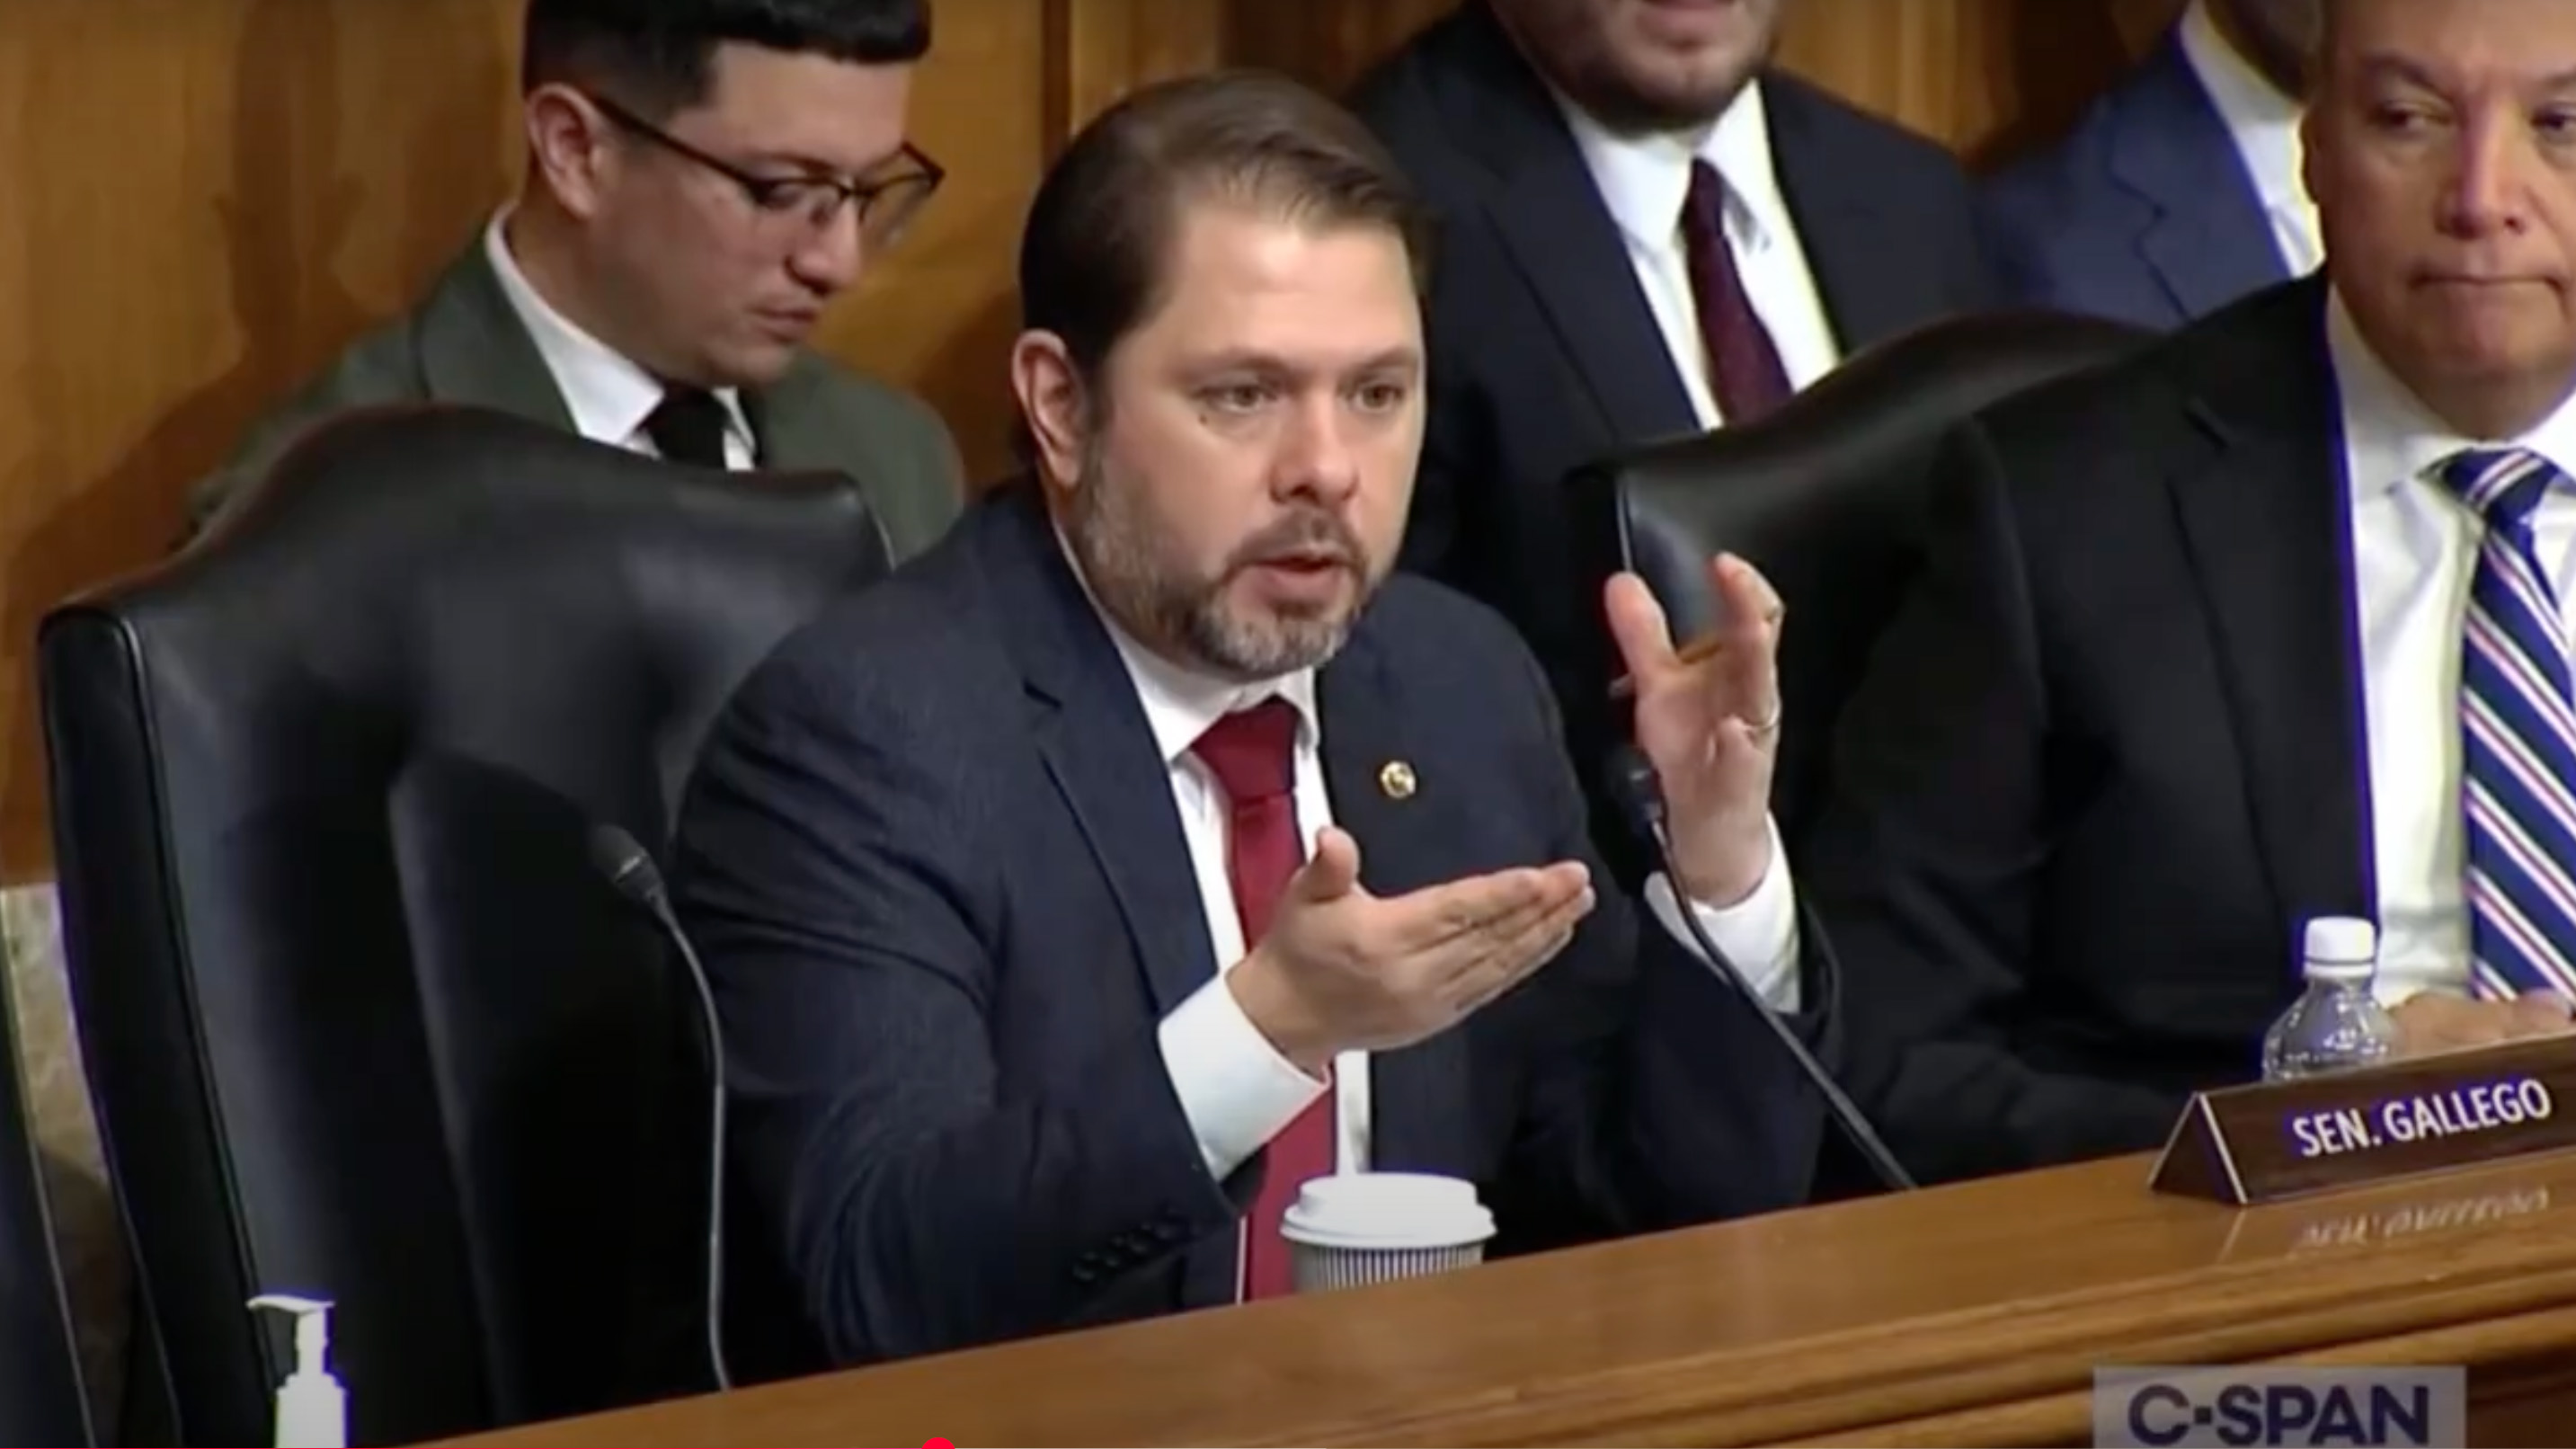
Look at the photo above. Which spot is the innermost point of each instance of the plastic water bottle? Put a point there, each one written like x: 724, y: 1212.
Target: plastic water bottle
x: 2336, y: 1024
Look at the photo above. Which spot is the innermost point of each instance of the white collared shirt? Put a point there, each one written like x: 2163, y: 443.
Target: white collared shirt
x: 2265, y: 125
x: 607, y: 394
x: 2414, y: 549
x: 1645, y: 181
x: 1236, y: 1089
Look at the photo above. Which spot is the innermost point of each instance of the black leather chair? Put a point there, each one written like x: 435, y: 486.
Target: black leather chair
x: 361, y: 1017
x: 42, y: 1400
x: 1828, y: 498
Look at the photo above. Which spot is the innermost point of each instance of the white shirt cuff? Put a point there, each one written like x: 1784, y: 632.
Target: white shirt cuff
x: 1236, y: 1089
x: 1759, y: 934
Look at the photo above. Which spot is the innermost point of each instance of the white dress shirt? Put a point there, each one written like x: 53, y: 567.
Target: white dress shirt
x: 1236, y: 1089
x: 608, y: 395
x: 2414, y: 548
x: 1645, y: 181
x: 2265, y: 125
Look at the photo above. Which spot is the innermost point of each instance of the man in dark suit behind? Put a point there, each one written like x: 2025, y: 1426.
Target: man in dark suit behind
x: 2266, y: 624
x: 2179, y: 191
x: 703, y: 177
x: 1645, y: 231
x: 1144, y: 850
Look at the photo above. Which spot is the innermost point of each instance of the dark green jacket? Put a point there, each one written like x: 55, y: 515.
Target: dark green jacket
x: 464, y: 344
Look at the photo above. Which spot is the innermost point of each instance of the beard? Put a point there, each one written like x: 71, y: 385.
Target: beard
x: 1629, y: 106
x: 1127, y: 557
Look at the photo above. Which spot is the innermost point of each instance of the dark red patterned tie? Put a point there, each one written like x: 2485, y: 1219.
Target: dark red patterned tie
x: 1251, y: 754
x: 1744, y: 368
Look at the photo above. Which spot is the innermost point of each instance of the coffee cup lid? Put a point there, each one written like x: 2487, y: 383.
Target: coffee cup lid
x: 1387, y: 1210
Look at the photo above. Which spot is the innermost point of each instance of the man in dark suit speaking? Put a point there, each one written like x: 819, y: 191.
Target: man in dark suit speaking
x: 1145, y: 849
x: 2267, y: 623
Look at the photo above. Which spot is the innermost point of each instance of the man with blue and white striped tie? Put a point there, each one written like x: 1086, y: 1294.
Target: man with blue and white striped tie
x: 2268, y: 621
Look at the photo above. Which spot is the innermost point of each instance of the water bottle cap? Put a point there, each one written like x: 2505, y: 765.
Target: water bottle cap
x: 2341, y: 945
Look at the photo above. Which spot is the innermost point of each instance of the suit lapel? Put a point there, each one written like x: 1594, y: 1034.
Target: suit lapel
x: 475, y: 351
x: 1868, y: 291
x: 1098, y: 750
x: 2264, y: 522
x: 2207, y: 238
x: 1570, y: 254
x: 1548, y: 212
x: 1390, y: 799
x: 792, y: 422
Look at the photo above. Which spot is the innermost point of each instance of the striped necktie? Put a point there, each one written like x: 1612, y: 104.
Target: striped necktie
x: 2518, y: 732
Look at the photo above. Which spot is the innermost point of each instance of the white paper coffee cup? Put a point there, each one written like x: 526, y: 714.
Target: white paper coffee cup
x: 1375, y: 1227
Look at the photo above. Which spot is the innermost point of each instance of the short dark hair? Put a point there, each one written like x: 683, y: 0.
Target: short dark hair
x: 653, y: 56
x: 1092, y: 255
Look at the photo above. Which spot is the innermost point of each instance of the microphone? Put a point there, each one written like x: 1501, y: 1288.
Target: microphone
x: 631, y: 871
x: 1640, y: 793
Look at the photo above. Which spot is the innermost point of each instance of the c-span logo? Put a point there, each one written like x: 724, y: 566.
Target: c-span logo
x: 2192, y: 1406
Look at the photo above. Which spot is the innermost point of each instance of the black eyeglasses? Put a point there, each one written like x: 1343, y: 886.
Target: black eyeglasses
x: 886, y: 202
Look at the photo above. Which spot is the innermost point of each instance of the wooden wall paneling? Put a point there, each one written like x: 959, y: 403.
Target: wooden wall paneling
x: 206, y: 200
x: 935, y: 313
x: 2142, y: 22
x: 1986, y: 77
x: 1324, y: 45
x: 1111, y: 47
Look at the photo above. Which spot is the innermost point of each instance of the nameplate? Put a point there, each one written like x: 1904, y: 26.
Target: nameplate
x: 2276, y: 1140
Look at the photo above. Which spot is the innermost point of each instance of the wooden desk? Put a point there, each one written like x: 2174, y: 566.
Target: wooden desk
x: 1972, y: 1314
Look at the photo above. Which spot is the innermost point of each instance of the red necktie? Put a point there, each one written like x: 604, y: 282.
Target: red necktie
x: 1743, y: 367
x: 1251, y: 754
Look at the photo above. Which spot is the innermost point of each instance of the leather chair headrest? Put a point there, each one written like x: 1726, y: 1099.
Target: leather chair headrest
x: 1827, y: 496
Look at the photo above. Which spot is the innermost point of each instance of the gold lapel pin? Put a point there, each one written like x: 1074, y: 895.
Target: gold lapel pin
x: 1395, y: 777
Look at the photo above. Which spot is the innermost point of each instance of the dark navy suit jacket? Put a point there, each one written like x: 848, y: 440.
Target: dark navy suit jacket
x: 933, y: 863
x: 2143, y: 213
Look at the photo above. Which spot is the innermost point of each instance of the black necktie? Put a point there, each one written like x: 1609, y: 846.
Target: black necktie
x: 689, y: 427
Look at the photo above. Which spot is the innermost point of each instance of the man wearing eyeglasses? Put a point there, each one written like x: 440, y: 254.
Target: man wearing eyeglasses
x: 704, y: 176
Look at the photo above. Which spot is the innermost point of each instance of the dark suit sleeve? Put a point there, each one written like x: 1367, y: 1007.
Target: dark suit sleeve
x: 925, y: 475
x: 829, y: 867
x: 1928, y: 863
x: 2008, y: 233
x: 1442, y: 538
x: 1977, y: 276
x: 1661, y: 1099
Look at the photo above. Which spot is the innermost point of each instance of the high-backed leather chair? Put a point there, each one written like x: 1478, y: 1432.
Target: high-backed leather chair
x: 42, y: 1400
x: 361, y: 1017
x: 1828, y: 497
